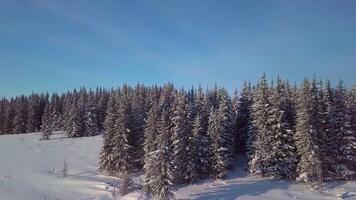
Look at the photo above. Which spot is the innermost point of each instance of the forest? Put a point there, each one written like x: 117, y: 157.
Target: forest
x: 304, y: 133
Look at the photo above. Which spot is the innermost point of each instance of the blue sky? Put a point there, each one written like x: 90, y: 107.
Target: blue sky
x: 59, y: 45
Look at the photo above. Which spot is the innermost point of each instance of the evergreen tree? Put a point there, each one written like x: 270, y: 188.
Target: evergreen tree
x: 34, y: 114
x: 122, y: 138
x: 91, y: 127
x: 158, y: 170
x: 306, y: 129
x: 150, y: 146
x: 47, y: 123
x: 107, y: 161
x: 9, y: 117
x: 327, y: 146
x: 220, y: 131
x: 346, y: 136
x: 75, y: 123
x: 261, y: 111
x: 245, y: 137
x: 3, y: 106
x: 181, y: 141
x: 139, y: 115
x: 20, y: 119
x: 201, y: 139
x: 283, y: 158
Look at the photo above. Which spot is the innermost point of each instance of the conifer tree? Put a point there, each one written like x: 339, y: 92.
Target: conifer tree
x: 3, y: 106
x: 201, y: 150
x: 181, y: 141
x: 346, y: 136
x: 75, y: 126
x: 245, y: 137
x: 158, y: 171
x: 261, y: 108
x: 283, y: 158
x: 47, y: 124
x: 9, y: 117
x: 150, y: 146
x: 91, y: 117
x: 34, y: 114
x: 306, y: 129
x: 220, y: 131
x: 139, y: 115
x: 107, y: 161
x: 122, y: 138
x: 20, y: 119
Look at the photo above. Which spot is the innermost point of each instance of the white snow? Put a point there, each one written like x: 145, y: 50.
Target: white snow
x: 31, y: 169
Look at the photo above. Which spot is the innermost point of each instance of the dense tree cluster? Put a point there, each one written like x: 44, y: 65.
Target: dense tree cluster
x: 305, y: 133
x: 78, y: 113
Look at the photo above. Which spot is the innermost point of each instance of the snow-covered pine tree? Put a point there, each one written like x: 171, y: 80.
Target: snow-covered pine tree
x: 102, y: 99
x: 122, y: 138
x: 261, y: 108
x: 306, y: 129
x: 139, y: 116
x: 9, y: 117
x: 326, y: 142
x: 34, y: 112
x: 47, y: 124
x: 159, y: 173
x: 91, y: 127
x: 20, y: 119
x: 234, y: 110
x: 107, y: 162
x: 75, y: 122
x: 346, y: 136
x: 245, y: 137
x: 201, y: 150
x: 222, y: 139
x: 3, y: 106
x: 283, y: 158
x: 158, y: 169
x: 352, y: 103
x: 150, y: 134
x: 57, y: 110
x: 182, y: 141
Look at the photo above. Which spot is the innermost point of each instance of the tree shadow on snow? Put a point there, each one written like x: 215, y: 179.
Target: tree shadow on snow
x: 235, y: 190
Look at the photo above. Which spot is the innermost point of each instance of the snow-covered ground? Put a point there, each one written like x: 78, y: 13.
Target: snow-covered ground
x: 31, y: 169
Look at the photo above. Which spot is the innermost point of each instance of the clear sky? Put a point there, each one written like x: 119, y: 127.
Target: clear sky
x: 50, y: 45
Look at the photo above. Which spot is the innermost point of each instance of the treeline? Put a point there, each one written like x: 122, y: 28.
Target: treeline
x: 305, y: 133
x: 78, y: 113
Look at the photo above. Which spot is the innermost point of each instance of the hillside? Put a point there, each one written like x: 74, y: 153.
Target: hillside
x: 31, y: 169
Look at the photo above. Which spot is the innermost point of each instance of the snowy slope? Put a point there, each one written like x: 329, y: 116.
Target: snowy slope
x: 31, y: 170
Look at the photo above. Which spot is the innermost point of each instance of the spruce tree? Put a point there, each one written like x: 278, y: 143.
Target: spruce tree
x: 283, y: 158
x: 150, y: 146
x: 20, y: 119
x: 9, y: 117
x: 47, y: 124
x: 139, y: 116
x: 3, y: 106
x: 261, y: 108
x: 75, y: 123
x: 346, y: 136
x: 182, y: 142
x: 245, y: 137
x: 201, y: 148
x: 122, y: 138
x: 34, y: 114
x: 107, y: 161
x: 306, y: 129
x: 158, y: 170
x: 91, y: 126
x: 220, y: 131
